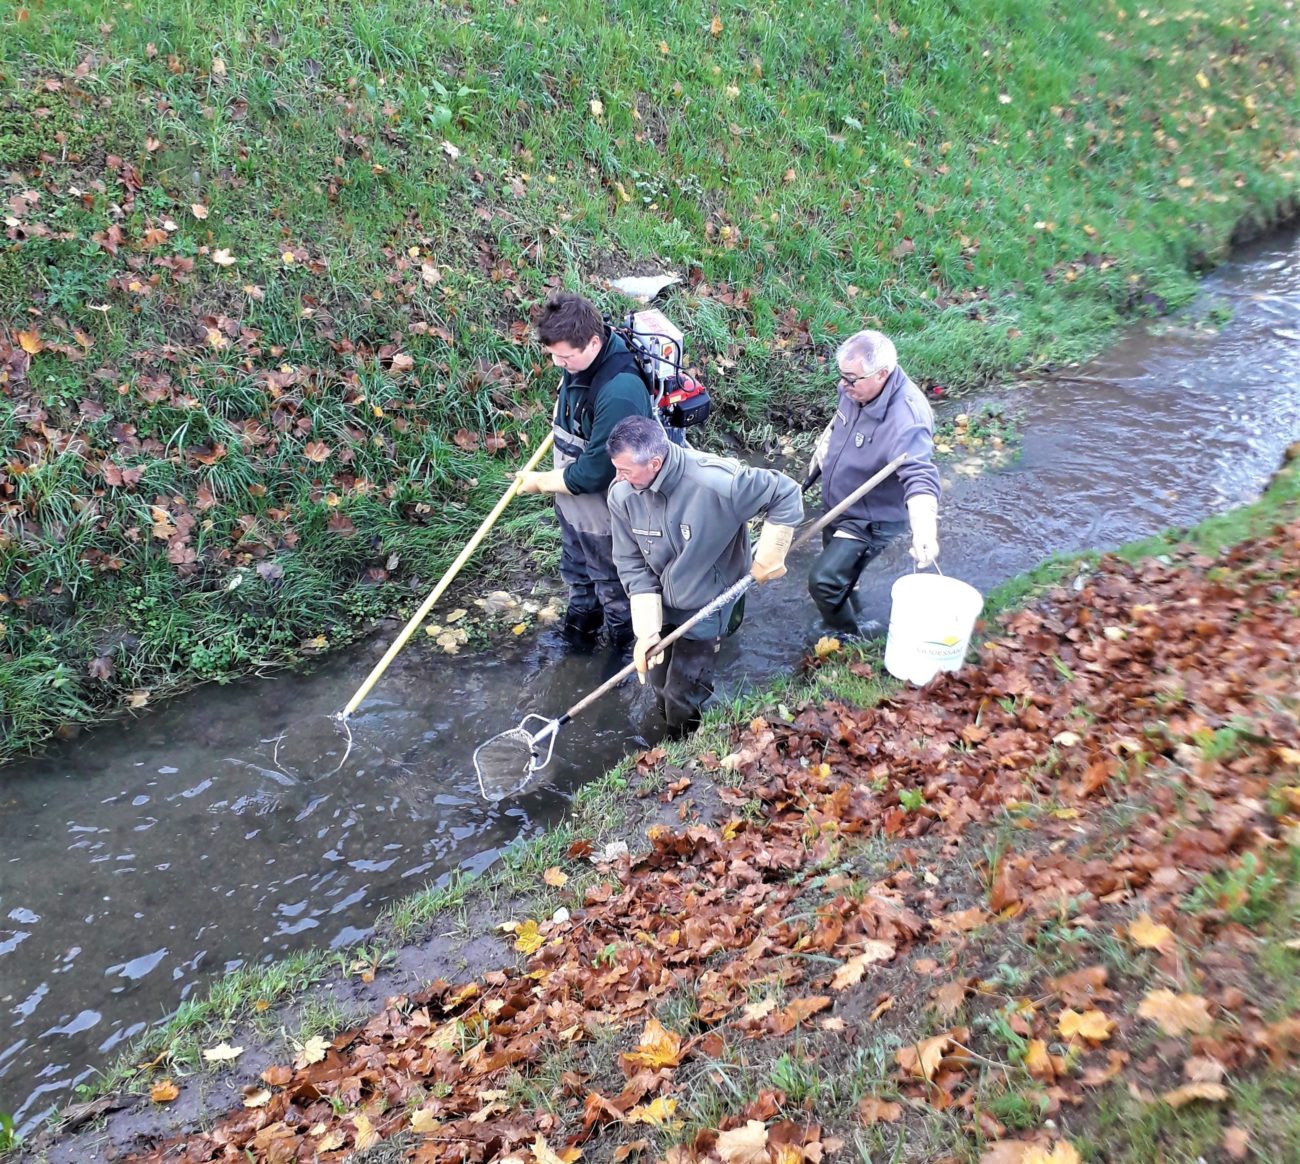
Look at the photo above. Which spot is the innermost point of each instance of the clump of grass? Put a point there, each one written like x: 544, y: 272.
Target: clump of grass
x: 1244, y: 891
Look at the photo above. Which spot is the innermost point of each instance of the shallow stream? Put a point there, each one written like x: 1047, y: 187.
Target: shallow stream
x: 141, y: 862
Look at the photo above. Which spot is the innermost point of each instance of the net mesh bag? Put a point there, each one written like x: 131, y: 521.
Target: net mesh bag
x: 314, y: 747
x: 504, y: 764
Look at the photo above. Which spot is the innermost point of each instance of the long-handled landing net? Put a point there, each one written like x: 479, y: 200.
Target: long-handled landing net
x: 510, y: 759
x: 320, y: 745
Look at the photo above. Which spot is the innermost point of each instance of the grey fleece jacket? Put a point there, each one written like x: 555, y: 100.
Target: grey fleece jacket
x: 864, y: 438
x: 684, y: 537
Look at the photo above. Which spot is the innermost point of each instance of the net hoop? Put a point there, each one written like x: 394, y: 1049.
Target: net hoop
x: 340, y: 725
x: 508, y: 761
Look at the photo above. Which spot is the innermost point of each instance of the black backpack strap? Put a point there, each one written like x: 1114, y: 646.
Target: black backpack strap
x: 615, y: 364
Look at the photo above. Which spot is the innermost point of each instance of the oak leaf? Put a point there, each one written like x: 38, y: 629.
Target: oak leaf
x: 1062, y: 1153
x: 424, y: 1121
x: 962, y: 921
x: 1204, y: 1069
x: 543, y: 1153
x: 1190, y: 1092
x: 312, y: 1051
x: 873, y: 1111
x: 922, y: 1059
x: 1091, y: 1025
x: 164, y: 1091
x: 1176, y: 1014
x: 659, y: 1047
x: 222, y: 1053
x: 256, y: 1096
x: 852, y: 971
x: 747, y: 1145
x: 1148, y: 934
x: 1006, y: 1152
x: 366, y: 1136
x: 1038, y: 1061
x: 656, y: 1114
x: 950, y: 996
x: 800, y: 1010
x: 826, y: 646
x: 1236, y: 1142
x: 528, y: 940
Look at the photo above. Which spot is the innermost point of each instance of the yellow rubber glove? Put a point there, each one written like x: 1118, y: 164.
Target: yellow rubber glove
x: 923, y: 513
x: 647, y: 622
x: 769, y: 553
x: 551, y: 481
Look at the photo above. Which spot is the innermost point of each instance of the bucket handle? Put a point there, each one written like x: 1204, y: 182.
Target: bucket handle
x: 917, y: 570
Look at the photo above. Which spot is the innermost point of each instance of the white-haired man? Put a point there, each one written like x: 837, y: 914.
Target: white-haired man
x: 880, y: 414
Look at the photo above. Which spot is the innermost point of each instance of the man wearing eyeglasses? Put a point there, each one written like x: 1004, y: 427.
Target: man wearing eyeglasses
x: 879, y: 415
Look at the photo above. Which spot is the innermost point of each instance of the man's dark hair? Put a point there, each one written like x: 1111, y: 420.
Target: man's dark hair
x: 568, y: 318
x: 641, y: 436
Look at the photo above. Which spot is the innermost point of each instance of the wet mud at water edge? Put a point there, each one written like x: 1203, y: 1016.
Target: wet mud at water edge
x: 142, y: 862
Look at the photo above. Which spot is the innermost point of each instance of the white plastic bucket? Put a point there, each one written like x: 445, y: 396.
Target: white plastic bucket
x: 930, y: 622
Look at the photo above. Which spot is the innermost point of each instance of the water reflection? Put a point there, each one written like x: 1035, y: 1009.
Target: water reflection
x: 143, y: 862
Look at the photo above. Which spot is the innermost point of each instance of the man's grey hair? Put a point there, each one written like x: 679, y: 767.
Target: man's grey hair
x: 642, y: 437
x: 874, y: 351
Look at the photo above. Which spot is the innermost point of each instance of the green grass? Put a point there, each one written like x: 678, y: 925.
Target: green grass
x: 997, y: 183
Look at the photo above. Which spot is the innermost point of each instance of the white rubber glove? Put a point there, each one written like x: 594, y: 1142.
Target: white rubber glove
x: 923, y: 513
x: 551, y: 481
x: 647, y: 622
x: 769, y: 553
x: 819, y: 453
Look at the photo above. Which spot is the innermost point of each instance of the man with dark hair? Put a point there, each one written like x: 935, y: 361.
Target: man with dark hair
x: 600, y: 387
x: 680, y: 523
x: 880, y: 414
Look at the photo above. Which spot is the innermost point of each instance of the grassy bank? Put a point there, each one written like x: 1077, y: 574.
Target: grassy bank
x: 1049, y: 906
x: 268, y: 265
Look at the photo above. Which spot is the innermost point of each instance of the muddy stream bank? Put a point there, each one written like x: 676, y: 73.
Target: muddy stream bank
x: 143, y: 861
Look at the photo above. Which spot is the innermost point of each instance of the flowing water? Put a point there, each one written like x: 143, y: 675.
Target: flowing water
x: 141, y: 862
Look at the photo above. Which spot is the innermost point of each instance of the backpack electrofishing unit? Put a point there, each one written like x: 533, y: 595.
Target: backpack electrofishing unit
x: 681, y: 401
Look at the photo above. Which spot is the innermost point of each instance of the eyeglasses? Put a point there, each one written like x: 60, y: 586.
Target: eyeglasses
x: 854, y: 381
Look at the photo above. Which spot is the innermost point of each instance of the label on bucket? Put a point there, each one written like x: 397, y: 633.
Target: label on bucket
x: 950, y: 642
x: 930, y: 625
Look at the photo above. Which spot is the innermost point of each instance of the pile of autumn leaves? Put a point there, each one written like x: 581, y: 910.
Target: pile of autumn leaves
x: 1111, y: 692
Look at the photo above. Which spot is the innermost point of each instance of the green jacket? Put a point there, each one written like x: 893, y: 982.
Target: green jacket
x: 591, y: 412
x: 685, y: 537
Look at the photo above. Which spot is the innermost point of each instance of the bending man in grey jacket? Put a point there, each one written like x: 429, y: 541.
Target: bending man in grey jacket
x: 679, y: 520
x: 880, y: 414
